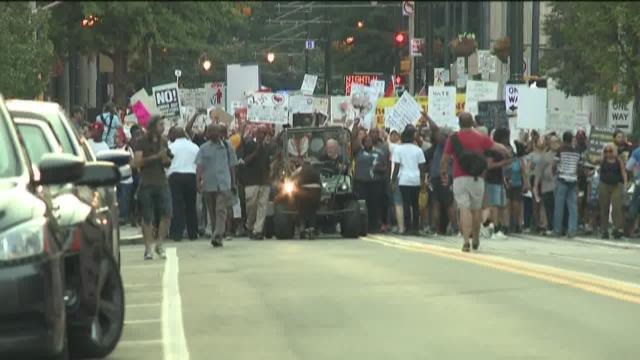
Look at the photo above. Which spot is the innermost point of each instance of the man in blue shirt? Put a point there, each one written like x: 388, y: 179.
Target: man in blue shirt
x: 633, y: 164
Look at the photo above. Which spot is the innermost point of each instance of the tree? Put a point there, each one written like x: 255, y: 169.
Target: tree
x: 27, y: 57
x: 595, y: 49
x: 123, y: 29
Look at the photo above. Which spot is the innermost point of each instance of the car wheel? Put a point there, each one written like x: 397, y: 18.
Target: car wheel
x: 106, y: 328
x: 282, y: 224
x: 351, y: 220
x: 364, y: 222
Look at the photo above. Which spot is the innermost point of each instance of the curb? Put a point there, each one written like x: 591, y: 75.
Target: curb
x: 622, y: 244
x: 131, y: 240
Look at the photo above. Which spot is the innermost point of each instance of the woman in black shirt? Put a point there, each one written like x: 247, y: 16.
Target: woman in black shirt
x: 613, y: 181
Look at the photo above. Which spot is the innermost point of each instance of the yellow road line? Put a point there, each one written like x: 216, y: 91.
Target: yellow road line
x: 604, y: 287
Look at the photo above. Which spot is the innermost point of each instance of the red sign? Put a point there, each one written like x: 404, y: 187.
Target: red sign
x: 364, y: 79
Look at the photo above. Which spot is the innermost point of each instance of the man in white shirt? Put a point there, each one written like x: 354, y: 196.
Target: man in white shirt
x: 109, y: 118
x: 95, y: 142
x: 182, y: 181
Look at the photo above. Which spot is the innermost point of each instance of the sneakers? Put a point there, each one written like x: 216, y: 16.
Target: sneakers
x: 217, y: 241
x: 160, y: 251
x: 499, y: 235
x: 486, y: 231
x: 148, y: 255
x: 256, y: 236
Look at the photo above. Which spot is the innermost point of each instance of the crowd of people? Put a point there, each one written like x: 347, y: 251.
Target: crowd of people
x: 422, y: 180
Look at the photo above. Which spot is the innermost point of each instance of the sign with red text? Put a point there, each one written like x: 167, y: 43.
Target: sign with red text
x: 362, y: 79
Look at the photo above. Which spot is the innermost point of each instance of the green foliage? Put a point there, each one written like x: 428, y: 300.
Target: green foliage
x: 595, y: 47
x: 26, y: 57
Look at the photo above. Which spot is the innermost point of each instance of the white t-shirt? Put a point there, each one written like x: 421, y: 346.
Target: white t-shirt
x: 409, y: 156
x: 98, y: 147
x: 184, y: 156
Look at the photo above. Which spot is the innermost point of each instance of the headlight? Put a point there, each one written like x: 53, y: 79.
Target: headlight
x: 25, y: 240
x: 289, y: 187
x: 344, y: 187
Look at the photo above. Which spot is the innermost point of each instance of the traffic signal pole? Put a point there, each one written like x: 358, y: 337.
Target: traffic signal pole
x: 428, y: 41
x: 412, y: 19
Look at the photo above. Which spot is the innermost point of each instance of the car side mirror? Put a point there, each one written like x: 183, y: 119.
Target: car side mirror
x: 59, y: 169
x: 100, y: 173
x: 118, y: 157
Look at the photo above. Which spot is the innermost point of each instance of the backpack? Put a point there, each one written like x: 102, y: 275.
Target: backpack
x: 472, y: 162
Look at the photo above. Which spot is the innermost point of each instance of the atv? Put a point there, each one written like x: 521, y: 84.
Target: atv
x: 339, y: 210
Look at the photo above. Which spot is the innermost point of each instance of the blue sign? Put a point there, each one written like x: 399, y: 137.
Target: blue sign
x: 309, y: 44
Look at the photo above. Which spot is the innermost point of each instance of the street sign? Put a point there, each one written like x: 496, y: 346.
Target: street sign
x: 178, y: 72
x: 417, y: 46
x: 407, y: 8
x: 309, y: 44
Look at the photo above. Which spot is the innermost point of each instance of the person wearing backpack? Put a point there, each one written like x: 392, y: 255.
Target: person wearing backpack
x: 467, y: 147
x: 109, y: 118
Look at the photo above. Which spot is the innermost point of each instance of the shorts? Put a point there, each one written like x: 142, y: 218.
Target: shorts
x: 515, y: 193
x: 496, y: 195
x: 440, y: 193
x: 468, y: 192
x: 154, y: 199
x: 397, y: 197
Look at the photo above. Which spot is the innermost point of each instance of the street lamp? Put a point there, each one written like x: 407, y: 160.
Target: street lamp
x: 271, y: 57
x: 206, y: 65
x: 360, y: 24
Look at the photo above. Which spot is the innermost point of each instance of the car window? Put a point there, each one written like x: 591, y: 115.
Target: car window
x: 35, y: 142
x: 9, y: 164
x: 63, y: 135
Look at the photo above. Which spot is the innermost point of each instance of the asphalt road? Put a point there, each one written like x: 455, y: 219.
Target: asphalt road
x: 383, y: 297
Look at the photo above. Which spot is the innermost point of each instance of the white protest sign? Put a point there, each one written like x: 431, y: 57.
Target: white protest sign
x: 167, y: 99
x: 486, y: 62
x: 309, y: 84
x: 620, y: 116
x: 364, y: 99
x: 439, y: 75
x: 442, y: 106
x: 216, y: 94
x: 300, y: 104
x: 379, y: 86
x: 532, y: 108
x: 479, y: 91
x: 196, y: 98
x: 511, y: 95
x: 405, y: 112
x: 561, y: 121
x: 321, y: 105
x: 460, y: 67
x: 267, y: 107
x: 342, y: 111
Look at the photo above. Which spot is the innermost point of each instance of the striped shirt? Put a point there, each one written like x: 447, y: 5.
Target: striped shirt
x: 568, y: 160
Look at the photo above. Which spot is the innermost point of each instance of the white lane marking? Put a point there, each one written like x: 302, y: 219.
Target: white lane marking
x: 142, y: 321
x: 144, y: 305
x: 603, y: 262
x: 150, y: 266
x: 173, y: 338
x: 139, y: 342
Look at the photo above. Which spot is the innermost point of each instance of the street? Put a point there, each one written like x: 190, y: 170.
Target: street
x: 382, y: 297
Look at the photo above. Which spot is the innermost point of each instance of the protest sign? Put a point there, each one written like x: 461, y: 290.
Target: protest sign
x: 300, y: 104
x: 406, y: 112
x: 379, y: 86
x: 493, y: 114
x: 167, y: 99
x: 196, y: 98
x: 532, y: 108
x: 440, y: 76
x: 267, y: 107
x: 309, y: 84
x: 561, y: 121
x: 479, y: 91
x: 364, y: 100
x: 342, y: 111
x: 598, y: 138
x: 385, y: 106
x: 442, y: 106
x: 216, y: 94
x: 321, y: 105
x: 620, y: 116
x: 362, y: 79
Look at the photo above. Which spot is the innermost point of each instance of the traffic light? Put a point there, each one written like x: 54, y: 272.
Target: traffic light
x: 398, y: 80
x: 89, y: 21
x: 400, y: 39
x: 271, y: 57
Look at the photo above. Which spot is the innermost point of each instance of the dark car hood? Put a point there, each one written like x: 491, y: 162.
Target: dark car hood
x: 18, y: 205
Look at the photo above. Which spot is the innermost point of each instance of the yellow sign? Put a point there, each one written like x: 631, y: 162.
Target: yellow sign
x: 387, y: 102
x: 405, y: 65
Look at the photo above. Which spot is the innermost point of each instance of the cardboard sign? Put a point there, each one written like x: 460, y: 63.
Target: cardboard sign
x: 492, y: 114
x: 309, y: 84
x: 167, y: 99
x: 362, y: 79
x: 216, y: 94
x: 268, y: 107
x: 620, y: 116
x: 196, y: 98
x: 442, y: 106
x: 479, y: 91
x: 532, y: 108
x: 561, y: 121
x: 364, y: 100
x: 406, y: 112
x: 342, y: 111
x: 598, y: 138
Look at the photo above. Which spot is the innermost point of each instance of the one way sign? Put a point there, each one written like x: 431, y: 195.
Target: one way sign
x: 511, y: 92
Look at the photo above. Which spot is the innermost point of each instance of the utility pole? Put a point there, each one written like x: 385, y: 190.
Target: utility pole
x: 428, y: 41
x: 514, y: 12
x: 412, y: 34
x: 327, y: 56
x: 535, y: 39
x: 306, y: 51
x: 447, y: 34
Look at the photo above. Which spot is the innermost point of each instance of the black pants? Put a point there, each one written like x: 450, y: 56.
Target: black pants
x: 385, y: 201
x: 183, y: 194
x: 307, y: 203
x: 371, y: 192
x: 548, y: 200
x: 410, y: 207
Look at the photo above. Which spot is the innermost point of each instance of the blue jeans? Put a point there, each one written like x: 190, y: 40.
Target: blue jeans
x: 124, y: 200
x: 566, y: 193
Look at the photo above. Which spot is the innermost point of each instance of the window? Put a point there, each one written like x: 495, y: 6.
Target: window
x: 35, y: 142
x: 9, y: 161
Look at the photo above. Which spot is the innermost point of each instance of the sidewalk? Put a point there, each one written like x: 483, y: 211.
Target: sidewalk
x: 130, y: 235
x: 624, y: 243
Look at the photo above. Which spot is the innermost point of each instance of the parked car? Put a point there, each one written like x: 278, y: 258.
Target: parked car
x: 35, y: 228
x: 94, y: 294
